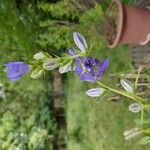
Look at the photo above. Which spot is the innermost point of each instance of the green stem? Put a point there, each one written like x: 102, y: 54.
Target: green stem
x: 142, y: 117
x: 137, y: 78
x: 126, y: 94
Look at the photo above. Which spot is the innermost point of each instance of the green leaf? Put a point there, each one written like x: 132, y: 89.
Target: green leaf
x: 147, y: 130
x: 145, y: 140
x: 145, y: 121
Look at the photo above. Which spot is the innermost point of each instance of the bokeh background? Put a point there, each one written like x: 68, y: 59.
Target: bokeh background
x: 31, y: 114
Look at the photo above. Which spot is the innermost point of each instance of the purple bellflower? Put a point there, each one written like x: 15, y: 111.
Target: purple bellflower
x: 15, y: 70
x: 90, y: 69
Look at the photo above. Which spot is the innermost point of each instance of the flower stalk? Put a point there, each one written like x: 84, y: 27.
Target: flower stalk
x: 128, y: 95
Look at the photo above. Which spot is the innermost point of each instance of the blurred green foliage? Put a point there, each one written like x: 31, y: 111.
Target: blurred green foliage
x: 25, y: 27
x: 26, y: 120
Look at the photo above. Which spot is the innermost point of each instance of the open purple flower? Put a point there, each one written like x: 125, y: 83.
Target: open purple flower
x: 15, y: 70
x: 90, y: 69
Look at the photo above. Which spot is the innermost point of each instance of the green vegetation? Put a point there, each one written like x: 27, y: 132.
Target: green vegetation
x: 25, y: 109
x: 27, y: 121
x: 95, y: 123
x: 99, y: 123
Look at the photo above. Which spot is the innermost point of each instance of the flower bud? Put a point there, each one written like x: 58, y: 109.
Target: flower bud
x: 80, y: 41
x: 127, y: 85
x: 51, y: 64
x: 136, y: 107
x: 38, y: 56
x: 95, y: 92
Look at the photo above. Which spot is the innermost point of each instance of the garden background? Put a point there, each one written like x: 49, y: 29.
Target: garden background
x: 27, y: 120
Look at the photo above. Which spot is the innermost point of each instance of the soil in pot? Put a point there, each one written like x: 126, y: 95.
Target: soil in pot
x: 111, y: 24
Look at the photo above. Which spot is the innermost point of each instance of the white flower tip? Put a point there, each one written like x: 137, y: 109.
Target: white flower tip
x: 95, y: 92
x: 127, y: 85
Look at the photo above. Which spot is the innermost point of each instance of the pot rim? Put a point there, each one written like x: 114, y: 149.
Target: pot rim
x: 120, y: 24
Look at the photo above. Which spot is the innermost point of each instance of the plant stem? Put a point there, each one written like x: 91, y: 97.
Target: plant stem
x: 126, y: 94
x: 142, y: 117
x: 137, y: 78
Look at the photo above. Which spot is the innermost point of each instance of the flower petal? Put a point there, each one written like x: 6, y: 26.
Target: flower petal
x: 80, y: 41
x: 90, y: 69
x: 104, y: 67
x: 136, y: 107
x: 15, y: 70
x: 95, y: 92
x: 127, y: 85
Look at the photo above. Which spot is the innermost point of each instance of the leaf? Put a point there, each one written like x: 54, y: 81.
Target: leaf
x: 144, y: 140
x: 144, y: 122
x: 80, y: 41
x: 127, y: 85
x: 147, y: 130
x: 95, y: 92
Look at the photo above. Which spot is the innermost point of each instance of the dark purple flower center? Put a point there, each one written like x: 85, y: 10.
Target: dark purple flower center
x: 89, y: 63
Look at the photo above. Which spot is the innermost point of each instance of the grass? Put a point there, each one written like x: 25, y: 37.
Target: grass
x: 95, y: 123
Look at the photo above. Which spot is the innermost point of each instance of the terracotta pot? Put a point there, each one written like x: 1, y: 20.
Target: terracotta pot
x: 133, y: 26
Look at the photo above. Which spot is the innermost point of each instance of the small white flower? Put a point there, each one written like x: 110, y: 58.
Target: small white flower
x: 65, y: 68
x: 80, y: 41
x: 38, y: 56
x: 129, y: 134
x: 51, y: 64
x: 132, y: 135
x: 136, y: 107
x: 95, y: 92
x: 127, y: 85
x: 37, y: 73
